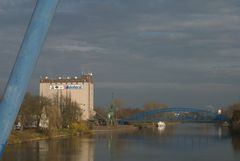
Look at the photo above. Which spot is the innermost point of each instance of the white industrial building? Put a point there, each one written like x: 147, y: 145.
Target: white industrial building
x: 80, y: 89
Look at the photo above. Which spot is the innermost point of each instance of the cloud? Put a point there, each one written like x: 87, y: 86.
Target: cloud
x: 165, y: 85
x: 11, y: 5
x: 77, y: 49
x: 165, y: 45
x: 12, y: 2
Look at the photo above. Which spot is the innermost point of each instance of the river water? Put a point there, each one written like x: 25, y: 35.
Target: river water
x: 181, y: 142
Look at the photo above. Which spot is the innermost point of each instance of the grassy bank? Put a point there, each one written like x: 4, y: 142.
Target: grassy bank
x: 28, y: 135
x: 18, y: 137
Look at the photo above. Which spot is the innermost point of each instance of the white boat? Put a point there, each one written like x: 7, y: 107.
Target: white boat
x: 161, y: 124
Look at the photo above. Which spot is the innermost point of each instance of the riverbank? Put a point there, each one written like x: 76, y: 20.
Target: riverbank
x: 97, y: 129
x: 18, y: 137
x: 150, y: 125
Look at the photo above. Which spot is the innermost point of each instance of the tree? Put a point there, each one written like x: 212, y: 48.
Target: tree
x: 153, y: 105
x: 229, y: 111
x: 54, y: 116
x: 71, y: 112
x: 126, y: 112
x: 43, y: 102
x: 235, y: 122
x: 31, y: 109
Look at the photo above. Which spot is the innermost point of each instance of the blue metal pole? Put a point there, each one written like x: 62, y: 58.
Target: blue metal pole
x: 24, y: 65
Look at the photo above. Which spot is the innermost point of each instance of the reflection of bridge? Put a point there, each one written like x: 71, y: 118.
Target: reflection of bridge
x: 176, y: 114
x: 182, y: 141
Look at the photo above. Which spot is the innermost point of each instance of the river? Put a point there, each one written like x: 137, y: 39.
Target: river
x: 180, y: 142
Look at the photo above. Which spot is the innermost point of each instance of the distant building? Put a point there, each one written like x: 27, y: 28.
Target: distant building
x: 79, y: 89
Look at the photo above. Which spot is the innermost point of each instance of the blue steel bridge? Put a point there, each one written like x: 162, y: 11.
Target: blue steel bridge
x: 173, y: 114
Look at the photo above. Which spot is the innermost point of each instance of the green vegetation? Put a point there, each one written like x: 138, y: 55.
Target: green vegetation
x: 62, y: 117
x: 60, y: 112
x: 31, y: 110
x: 79, y: 128
x: 26, y: 135
x: 21, y: 136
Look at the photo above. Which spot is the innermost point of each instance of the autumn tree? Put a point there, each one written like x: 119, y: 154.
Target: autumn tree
x: 126, y: 112
x: 228, y: 112
x: 153, y: 105
x: 54, y: 118
x: 31, y: 109
x: 71, y: 112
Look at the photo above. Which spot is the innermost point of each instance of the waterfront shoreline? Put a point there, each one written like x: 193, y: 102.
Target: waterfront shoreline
x: 113, y: 128
x: 19, y: 137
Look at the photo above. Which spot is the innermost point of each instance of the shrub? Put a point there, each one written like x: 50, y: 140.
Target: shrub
x: 80, y: 127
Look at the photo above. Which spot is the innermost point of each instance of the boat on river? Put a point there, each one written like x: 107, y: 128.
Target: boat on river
x: 161, y: 124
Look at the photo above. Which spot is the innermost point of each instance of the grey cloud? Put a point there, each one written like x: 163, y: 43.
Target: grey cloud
x: 148, y: 85
x: 136, y: 45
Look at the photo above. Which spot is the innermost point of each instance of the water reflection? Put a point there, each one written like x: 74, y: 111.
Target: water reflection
x: 173, y: 138
x: 185, y: 136
x: 161, y: 129
x: 236, y: 143
x: 185, y: 141
x: 81, y: 149
x: 71, y: 149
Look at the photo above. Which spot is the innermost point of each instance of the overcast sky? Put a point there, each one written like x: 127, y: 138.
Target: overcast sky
x: 179, y: 52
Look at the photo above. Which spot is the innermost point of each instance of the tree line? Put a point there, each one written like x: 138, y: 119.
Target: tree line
x: 233, y: 113
x: 123, y: 112
x: 61, y: 111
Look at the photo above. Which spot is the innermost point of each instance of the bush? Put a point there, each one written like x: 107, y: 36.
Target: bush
x: 80, y: 127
